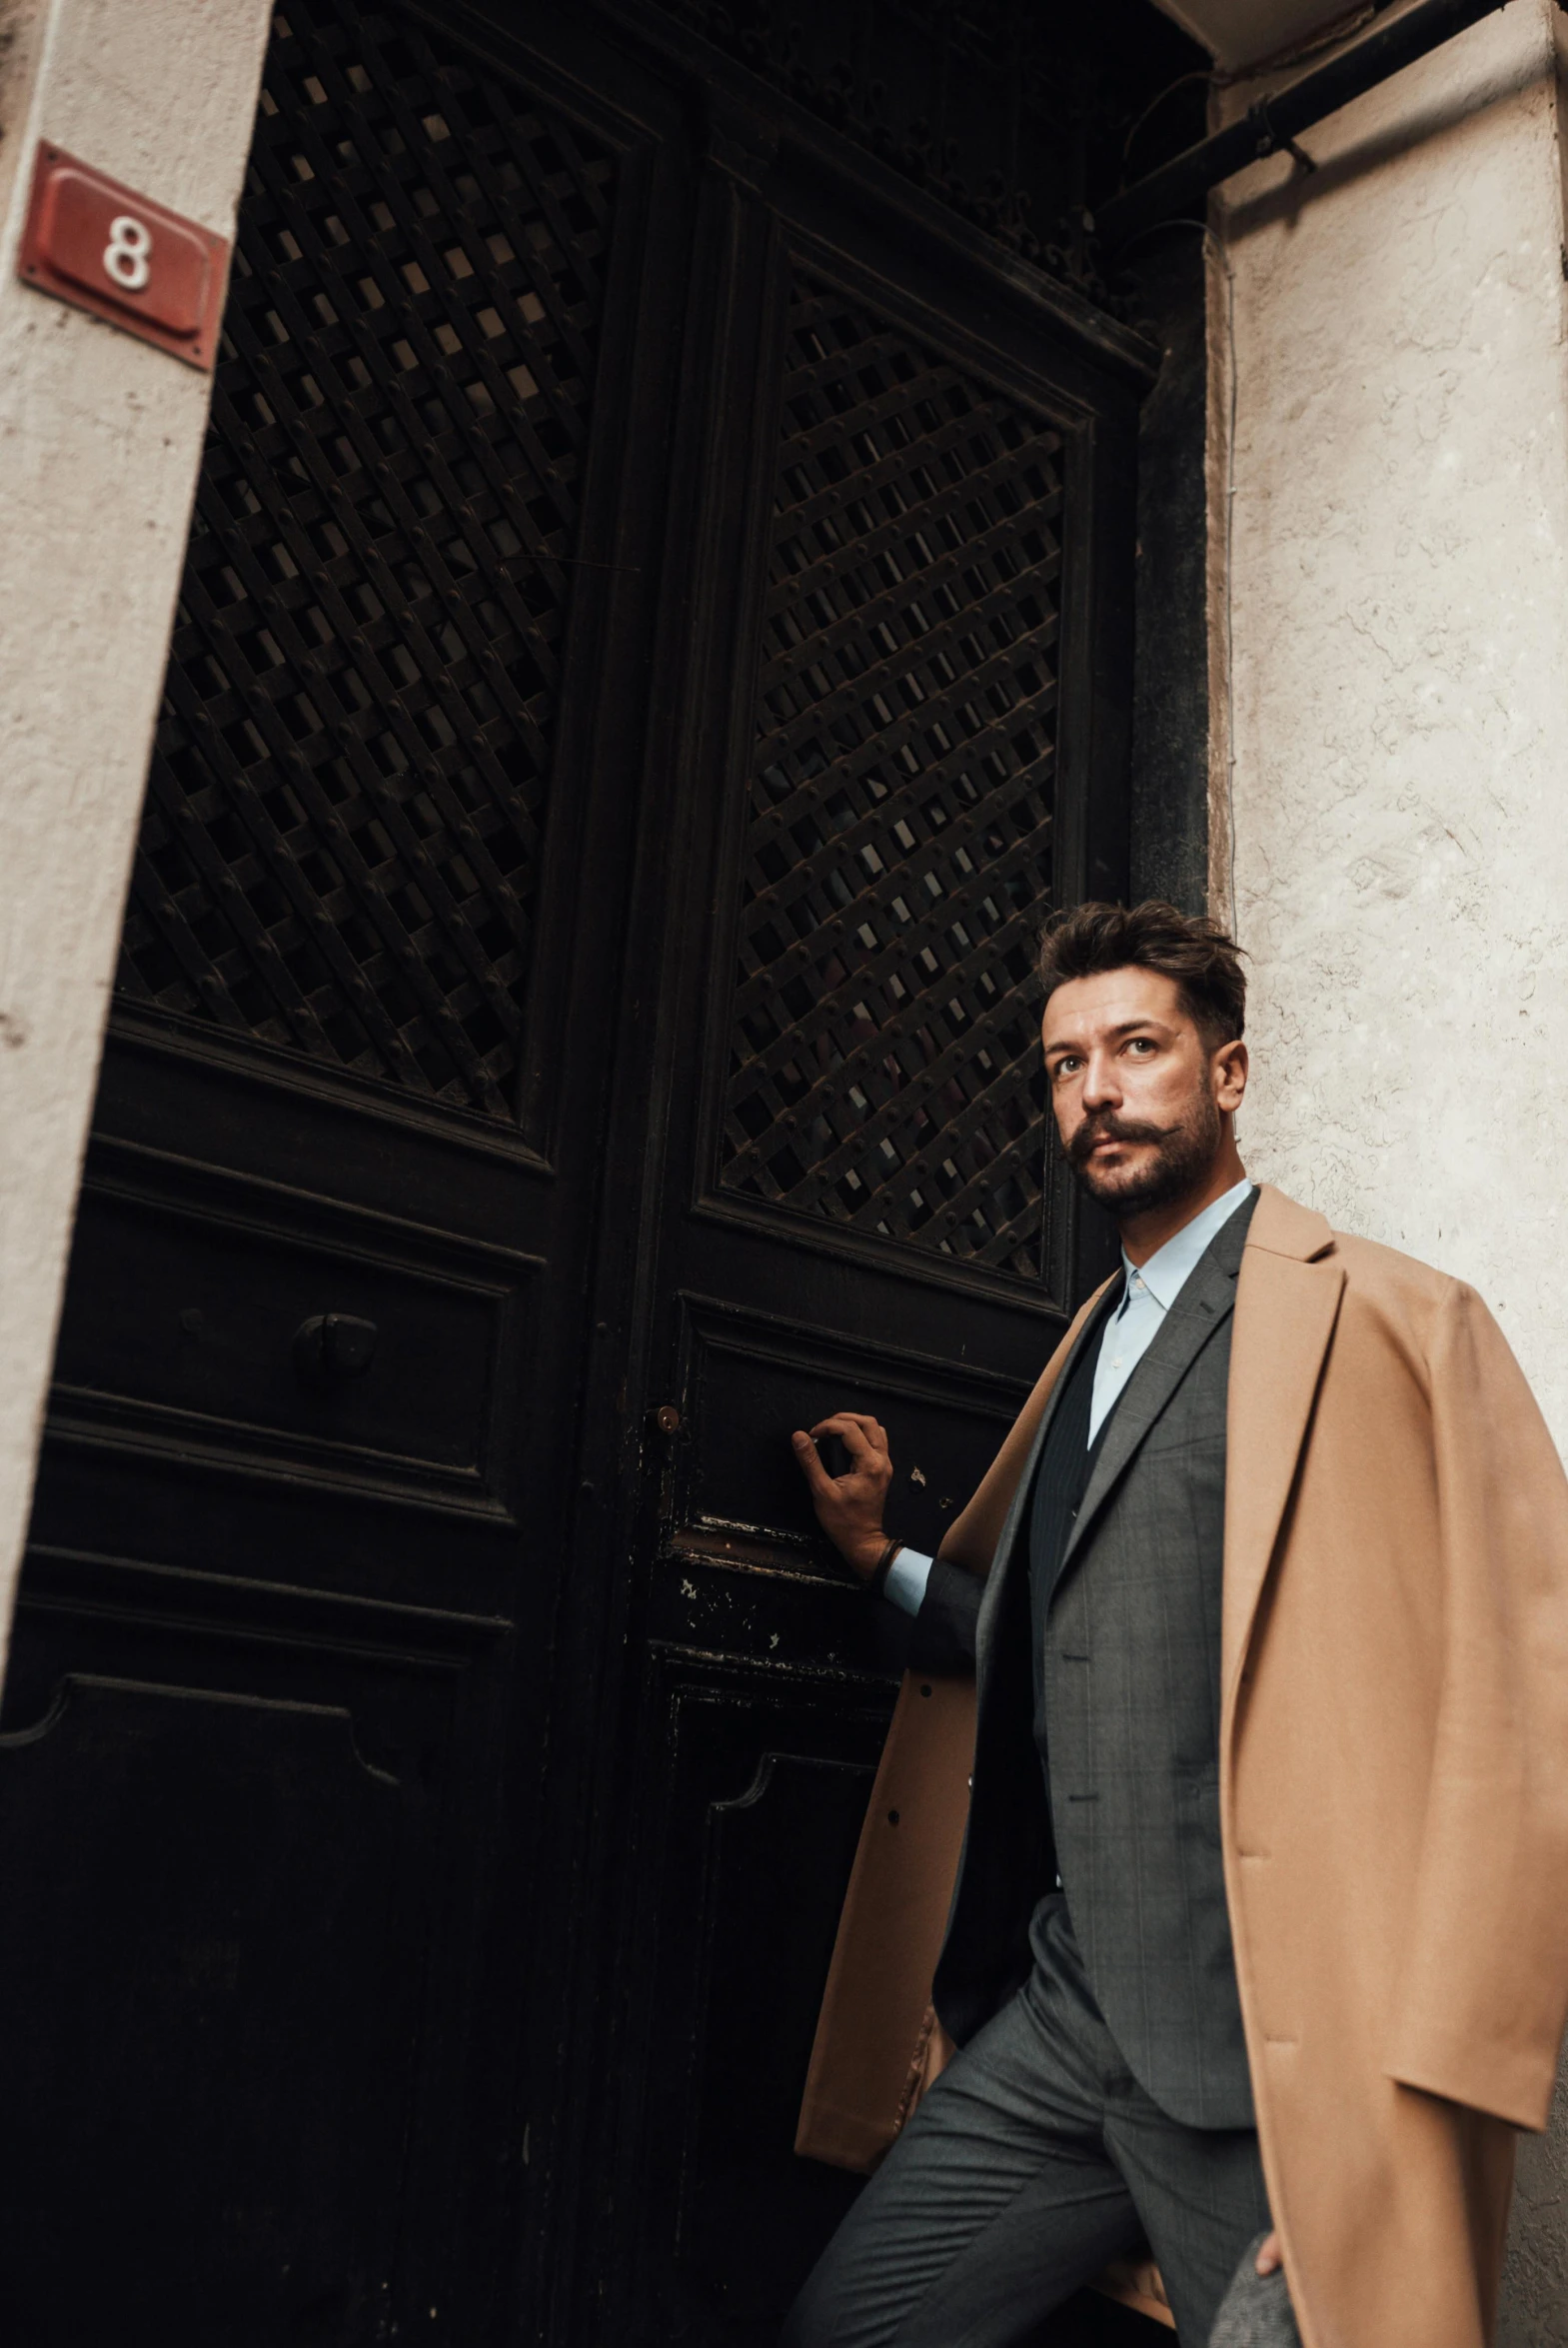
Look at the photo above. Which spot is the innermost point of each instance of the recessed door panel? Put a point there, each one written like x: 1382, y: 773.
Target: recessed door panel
x: 763, y: 1778
x: 207, y: 1933
x: 336, y: 1346
x: 750, y: 1381
x: 344, y: 836
x: 899, y: 838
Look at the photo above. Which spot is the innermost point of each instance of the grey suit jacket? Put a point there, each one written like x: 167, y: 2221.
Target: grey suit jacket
x: 1131, y: 1714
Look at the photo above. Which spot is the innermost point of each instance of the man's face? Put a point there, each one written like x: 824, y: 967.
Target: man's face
x: 1138, y: 1098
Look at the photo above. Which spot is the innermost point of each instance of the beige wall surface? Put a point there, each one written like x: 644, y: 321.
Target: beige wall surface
x: 1399, y: 617
x: 100, y: 439
x: 1398, y: 603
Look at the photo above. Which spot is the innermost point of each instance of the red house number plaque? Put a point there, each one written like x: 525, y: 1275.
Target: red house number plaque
x: 106, y: 249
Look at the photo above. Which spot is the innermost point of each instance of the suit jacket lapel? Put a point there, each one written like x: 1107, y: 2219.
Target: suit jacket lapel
x: 1287, y: 1303
x: 1089, y: 1334
x: 1207, y: 1295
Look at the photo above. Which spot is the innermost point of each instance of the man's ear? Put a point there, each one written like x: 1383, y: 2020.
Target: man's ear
x: 1230, y: 1074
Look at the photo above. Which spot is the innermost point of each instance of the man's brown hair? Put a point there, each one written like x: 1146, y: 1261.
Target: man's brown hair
x: 1189, y: 948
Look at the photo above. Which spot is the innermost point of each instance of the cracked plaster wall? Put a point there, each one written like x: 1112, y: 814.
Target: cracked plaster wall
x: 1399, y: 655
x: 100, y: 439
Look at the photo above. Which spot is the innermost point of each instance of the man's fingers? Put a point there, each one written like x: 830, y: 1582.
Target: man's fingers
x: 812, y: 1468
x: 1270, y: 2258
x: 861, y: 1435
x: 849, y: 1434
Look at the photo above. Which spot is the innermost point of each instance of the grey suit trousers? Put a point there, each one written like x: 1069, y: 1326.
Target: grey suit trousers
x: 1034, y: 2159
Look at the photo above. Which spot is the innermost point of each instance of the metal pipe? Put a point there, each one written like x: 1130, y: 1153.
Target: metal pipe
x: 1274, y: 123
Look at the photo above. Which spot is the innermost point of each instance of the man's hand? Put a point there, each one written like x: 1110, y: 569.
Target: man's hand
x: 1270, y: 2258
x: 850, y: 1507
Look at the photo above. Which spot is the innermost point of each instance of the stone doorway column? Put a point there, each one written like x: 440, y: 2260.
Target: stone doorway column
x: 1389, y: 805
x: 100, y: 438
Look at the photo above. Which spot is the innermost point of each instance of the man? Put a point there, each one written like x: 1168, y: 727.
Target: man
x: 1261, y: 1922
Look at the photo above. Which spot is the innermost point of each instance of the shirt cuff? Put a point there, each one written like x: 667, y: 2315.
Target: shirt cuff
x: 907, y: 1579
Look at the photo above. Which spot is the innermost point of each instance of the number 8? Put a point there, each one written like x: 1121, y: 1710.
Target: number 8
x: 128, y: 255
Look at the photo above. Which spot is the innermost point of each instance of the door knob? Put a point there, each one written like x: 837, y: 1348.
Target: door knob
x: 333, y: 1347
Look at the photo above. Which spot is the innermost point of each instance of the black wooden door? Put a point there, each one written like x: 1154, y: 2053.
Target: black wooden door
x: 902, y: 658
x: 274, y: 1722
x: 654, y: 638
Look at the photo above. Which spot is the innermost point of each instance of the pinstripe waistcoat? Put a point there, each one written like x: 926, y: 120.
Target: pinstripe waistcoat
x: 1129, y: 1677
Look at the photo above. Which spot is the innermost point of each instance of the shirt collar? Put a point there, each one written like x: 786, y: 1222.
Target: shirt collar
x: 1167, y: 1270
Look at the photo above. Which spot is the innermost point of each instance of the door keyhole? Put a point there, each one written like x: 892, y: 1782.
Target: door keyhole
x: 331, y: 1347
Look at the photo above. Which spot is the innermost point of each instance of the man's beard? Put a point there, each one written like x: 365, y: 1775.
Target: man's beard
x: 1182, y: 1157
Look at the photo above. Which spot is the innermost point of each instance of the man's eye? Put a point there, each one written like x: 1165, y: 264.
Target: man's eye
x: 1142, y: 1043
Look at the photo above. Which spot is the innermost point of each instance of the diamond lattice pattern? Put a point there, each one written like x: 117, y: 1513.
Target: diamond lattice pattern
x: 899, y: 850
x: 341, y: 841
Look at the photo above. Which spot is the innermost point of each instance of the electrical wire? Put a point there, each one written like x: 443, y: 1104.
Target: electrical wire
x: 1183, y: 81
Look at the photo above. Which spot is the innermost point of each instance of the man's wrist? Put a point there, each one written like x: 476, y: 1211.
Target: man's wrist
x: 877, y: 1578
x: 865, y: 1553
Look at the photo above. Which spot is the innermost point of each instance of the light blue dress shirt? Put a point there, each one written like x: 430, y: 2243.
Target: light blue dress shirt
x: 1150, y: 1290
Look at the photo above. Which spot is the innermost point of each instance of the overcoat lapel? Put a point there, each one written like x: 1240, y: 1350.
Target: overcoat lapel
x: 1207, y: 1295
x: 1288, y: 1302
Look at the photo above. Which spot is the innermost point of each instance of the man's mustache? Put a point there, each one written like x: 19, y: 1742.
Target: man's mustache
x: 1102, y: 1127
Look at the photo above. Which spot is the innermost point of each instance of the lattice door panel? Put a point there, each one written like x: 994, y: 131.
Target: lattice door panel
x: 342, y: 844
x: 898, y: 850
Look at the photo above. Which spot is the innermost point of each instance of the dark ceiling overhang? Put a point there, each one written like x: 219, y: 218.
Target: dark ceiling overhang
x: 1242, y: 32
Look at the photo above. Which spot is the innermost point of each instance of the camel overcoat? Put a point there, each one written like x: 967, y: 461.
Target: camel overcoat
x: 1393, y: 1787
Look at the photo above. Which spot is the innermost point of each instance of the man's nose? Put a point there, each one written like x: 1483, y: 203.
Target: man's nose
x: 1101, y: 1089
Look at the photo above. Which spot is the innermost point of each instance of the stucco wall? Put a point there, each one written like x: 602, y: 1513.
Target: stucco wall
x: 100, y: 436
x: 1399, y: 646
x: 1400, y: 654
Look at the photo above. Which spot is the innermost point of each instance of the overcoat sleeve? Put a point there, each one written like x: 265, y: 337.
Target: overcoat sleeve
x: 1479, y: 2011
x: 878, y: 2042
